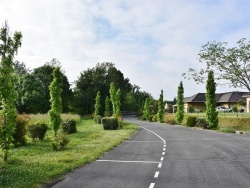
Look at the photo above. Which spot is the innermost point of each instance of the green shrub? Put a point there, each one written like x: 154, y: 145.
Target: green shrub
x: 171, y: 121
x: 98, y: 119
x: 19, y: 136
x: 69, y: 126
x: 201, y: 122
x: 150, y: 118
x: 110, y: 123
x: 191, y: 109
x: 227, y: 130
x: 59, y: 142
x: 191, y: 120
x: 38, y: 130
x: 154, y: 119
x: 235, y: 109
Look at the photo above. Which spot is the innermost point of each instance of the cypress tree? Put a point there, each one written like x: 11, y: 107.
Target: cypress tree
x: 146, y: 112
x: 118, y: 102
x: 97, y: 103
x: 180, y: 104
x: 112, y: 92
x: 56, y: 101
x: 160, y: 108
x: 211, y: 114
x: 107, y: 106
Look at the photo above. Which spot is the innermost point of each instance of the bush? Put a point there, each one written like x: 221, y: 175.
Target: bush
x: 171, y: 121
x: 59, y: 142
x: 191, y: 121
x: 235, y: 109
x: 69, y: 126
x: 191, y: 109
x: 19, y: 136
x: 110, y: 123
x: 38, y: 130
x: 201, y: 122
x: 98, y: 119
x: 154, y: 119
x: 150, y: 118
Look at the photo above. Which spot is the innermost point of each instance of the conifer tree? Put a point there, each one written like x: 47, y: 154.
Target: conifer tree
x: 118, y: 102
x: 107, y: 106
x: 146, y: 112
x: 8, y: 81
x: 180, y: 104
x: 112, y: 92
x: 160, y: 112
x: 56, y: 101
x: 97, y: 103
x: 211, y: 114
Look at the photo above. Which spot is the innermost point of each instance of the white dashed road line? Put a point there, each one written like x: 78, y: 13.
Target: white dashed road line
x: 152, y: 185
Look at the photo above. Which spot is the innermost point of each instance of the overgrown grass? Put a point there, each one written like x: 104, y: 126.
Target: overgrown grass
x: 36, y: 164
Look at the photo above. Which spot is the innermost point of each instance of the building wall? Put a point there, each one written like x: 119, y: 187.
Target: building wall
x: 248, y: 104
x: 197, y: 106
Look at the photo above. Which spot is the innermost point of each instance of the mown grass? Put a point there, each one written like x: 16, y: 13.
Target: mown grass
x: 36, y: 164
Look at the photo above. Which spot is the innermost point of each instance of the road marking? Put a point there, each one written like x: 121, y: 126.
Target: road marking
x: 159, y: 165
x: 164, y: 149
x: 143, y: 141
x: 164, y: 146
x: 156, y: 174
x: 152, y: 185
x: 162, y: 158
x: 118, y: 161
x: 163, y: 153
x: 155, y: 134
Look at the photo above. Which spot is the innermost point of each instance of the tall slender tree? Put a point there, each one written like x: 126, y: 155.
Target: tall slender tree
x: 107, y: 106
x: 160, y: 112
x: 8, y: 81
x: 112, y: 92
x: 97, y: 103
x: 211, y: 114
x: 146, y: 111
x: 56, y: 101
x: 118, y: 102
x: 180, y: 104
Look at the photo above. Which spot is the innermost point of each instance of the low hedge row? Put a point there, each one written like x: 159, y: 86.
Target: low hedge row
x: 239, y: 123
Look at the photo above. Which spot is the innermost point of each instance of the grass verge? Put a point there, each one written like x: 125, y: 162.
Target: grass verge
x: 36, y: 164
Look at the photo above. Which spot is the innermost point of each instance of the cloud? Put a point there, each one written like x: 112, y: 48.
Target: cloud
x: 151, y: 42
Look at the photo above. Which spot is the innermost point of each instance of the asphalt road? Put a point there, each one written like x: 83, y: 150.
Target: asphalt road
x: 169, y: 156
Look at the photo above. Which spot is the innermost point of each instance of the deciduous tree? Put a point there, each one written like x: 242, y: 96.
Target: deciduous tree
x: 8, y: 80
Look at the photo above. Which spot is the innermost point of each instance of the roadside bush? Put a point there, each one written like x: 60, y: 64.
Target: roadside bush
x: 191, y: 121
x: 69, y: 126
x: 98, y: 119
x: 201, y: 122
x: 19, y: 136
x: 59, y: 142
x: 120, y: 121
x: 154, y: 119
x: 150, y: 118
x: 110, y: 123
x: 171, y: 121
x: 38, y: 130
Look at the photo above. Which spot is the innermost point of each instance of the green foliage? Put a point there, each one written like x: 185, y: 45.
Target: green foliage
x: 59, y: 142
x: 191, y: 121
x: 110, y: 123
x: 171, y: 121
x: 180, y: 104
x: 35, y: 93
x: 107, y: 107
x: 38, y: 130
x: 235, y: 109
x: 160, y: 112
x: 146, y: 111
x: 191, y: 109
x: 69, y: 126
x: 211, y: 114
x: 98, y: 119
x: 8, y: 81
x: 56, y: 101
x: 19, y: 136
x: 238, y: 123
x: 201, y: 122
x: 112, y: 92
x: 230, y: 64
x: 118, y: 102
x: 97, y: 103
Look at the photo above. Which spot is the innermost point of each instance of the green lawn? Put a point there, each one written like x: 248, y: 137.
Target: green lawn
x: 37, y: 164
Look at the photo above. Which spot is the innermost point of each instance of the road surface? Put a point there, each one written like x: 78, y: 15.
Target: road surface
x: 169, y: 156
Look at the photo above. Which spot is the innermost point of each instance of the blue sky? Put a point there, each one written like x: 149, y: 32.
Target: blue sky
x: 152, y: 42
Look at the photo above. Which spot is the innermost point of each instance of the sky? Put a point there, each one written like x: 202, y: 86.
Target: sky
x: 152, y: 42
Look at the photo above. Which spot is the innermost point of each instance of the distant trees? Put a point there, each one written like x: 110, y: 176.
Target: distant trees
x: 8, y: 80
x: 211, y: 114
x: 180, y: 104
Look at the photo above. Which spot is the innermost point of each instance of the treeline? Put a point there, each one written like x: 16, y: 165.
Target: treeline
x: 79, y: 97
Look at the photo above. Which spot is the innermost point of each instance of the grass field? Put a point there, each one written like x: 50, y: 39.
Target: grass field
x: 36, y: 164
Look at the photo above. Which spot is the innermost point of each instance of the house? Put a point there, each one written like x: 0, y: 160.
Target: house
x: 247, y: 96
x: 228, y: 99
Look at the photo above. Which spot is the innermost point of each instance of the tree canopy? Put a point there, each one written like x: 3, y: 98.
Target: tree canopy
x: 230, y: 64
